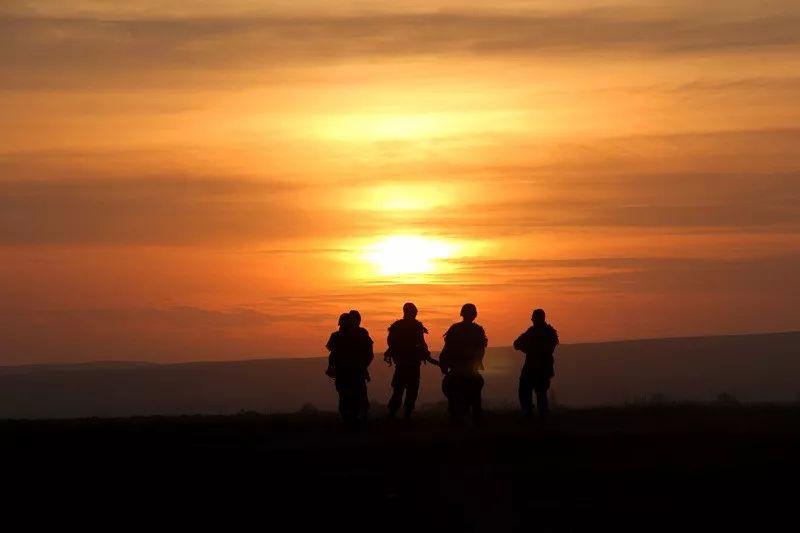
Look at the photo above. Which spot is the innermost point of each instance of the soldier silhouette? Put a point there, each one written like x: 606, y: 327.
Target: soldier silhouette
x: 407, y: 350
x: 350, y: 355
x: 355, y: 316
x: 538, y: 343
x: 461, y: 361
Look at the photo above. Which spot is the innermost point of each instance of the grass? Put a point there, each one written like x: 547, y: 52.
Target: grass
x: 637, y: 467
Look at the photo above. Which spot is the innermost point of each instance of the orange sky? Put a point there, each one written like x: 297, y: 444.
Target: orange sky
x: 187, y: 180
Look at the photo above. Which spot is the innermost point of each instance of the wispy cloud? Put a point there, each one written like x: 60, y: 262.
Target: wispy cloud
x: 53, y: 203
x: 648, y: 275
x: 72, y: 49
x: 147, y: 211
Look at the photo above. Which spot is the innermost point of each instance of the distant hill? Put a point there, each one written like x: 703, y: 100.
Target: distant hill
x: 73, y: 367
x: 751, y: 368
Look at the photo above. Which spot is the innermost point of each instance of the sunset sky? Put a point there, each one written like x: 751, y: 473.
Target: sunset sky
x: 195, y: 180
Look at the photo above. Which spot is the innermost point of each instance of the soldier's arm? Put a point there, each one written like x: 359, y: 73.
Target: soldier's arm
x: 519, y: 344
x: 330, y: 371
x: 444, y: 356
x: 387, y: 355
x: 484, y: 344
x: 426, y: 354
x: 444, y: 360
x: 370, y: 352
x: 422, y: 346
x: 421, y: 335
x: 329, y: 346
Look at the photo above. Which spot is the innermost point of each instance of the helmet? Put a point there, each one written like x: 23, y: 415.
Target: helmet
x: 409, y: 310
x: 469, y: 311
x: 355, y: 317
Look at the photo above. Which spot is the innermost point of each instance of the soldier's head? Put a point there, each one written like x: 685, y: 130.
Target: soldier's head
x: 538, y: 316
x: 345, y: 320
x: 409, y: 310
x: 469, y: 312
x: 355, y: 317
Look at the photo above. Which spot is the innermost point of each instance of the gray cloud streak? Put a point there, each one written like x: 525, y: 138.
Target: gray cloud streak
x: 201, y: 210
x: 65, y: 49
x: 672, y: 275
x: 146, y: 211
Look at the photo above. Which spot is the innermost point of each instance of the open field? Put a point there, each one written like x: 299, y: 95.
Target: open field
x: 643, y: 468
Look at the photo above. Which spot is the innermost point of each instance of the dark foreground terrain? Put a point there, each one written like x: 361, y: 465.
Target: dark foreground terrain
x: 636, y: 468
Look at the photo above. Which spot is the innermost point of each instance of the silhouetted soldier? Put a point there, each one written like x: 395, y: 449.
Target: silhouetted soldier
x: 538, y: 343
x: 368, y: 351
x: 461, y: 361
x: 407, y: 350
x: 350, y: 355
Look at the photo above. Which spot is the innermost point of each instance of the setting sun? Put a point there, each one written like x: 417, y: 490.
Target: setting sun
x: 404, y: 255
x: 197, y: 179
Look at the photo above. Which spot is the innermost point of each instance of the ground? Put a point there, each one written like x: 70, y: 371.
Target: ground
x: 643, y: 468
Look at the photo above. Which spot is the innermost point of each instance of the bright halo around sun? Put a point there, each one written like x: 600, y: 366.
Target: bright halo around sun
x: 407, y: 255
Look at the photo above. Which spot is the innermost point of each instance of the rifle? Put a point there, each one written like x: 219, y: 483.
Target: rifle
x: 431, y: 360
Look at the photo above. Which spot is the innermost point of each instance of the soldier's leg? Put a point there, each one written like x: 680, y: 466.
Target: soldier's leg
x: 525, y: 395
x: 348, y: 405
x: 461, y: 396
x: 363, y: 400
x: 476, y: 402
x: 412, y: 390
x: 542, y: 404
x: 342, y: 405
x: 340, y: 390
x: 396, y: 400
x: 411, y: 398
x: 449, y: 387
x: 397, y: 392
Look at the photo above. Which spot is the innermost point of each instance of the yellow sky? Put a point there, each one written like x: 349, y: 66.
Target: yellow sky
x: 217, y: 180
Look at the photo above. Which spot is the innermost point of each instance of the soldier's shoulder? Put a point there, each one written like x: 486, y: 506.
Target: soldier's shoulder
x: 364, y: 333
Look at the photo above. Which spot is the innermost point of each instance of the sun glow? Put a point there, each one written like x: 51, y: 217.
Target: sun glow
x: 409, y: 255
x: 388, y: 126
x: 393, y: 197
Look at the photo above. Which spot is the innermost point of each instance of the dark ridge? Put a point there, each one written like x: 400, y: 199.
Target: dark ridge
x: 744, y: 368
